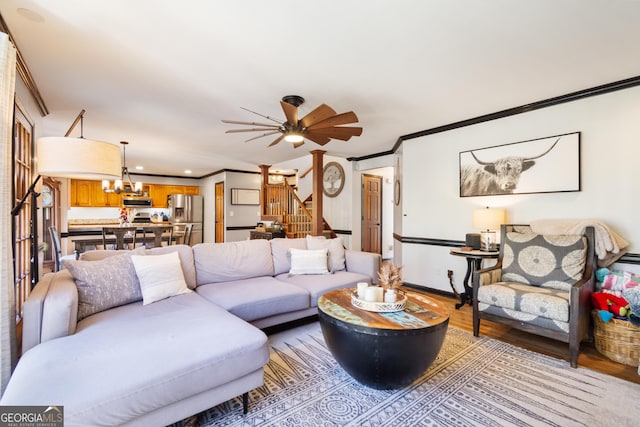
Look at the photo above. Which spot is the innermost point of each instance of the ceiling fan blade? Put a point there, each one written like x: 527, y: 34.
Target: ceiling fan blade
x: 262, y: 115
x: 236, y: 122
x: 298, y: 144
x: 343, y: 133
x: 264, y: 134
x: 319, y: 114
x: 340, y: 119
x: 249, y: 130
x: 290, y: 111
x: 278, y: 139
x: 320, y: 140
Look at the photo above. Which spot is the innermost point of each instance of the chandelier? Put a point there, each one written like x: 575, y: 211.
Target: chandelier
x: 118, y: 185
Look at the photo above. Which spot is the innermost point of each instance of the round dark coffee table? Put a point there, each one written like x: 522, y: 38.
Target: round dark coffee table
x: 383, y: 350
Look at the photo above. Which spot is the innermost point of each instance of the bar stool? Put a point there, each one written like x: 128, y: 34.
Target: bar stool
x: 157, y: 233
x: 57, y: 251
x: 120, y: 234
x: 186, y: 240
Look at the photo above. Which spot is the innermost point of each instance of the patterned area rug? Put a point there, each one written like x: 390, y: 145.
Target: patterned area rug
x: 473, y: 382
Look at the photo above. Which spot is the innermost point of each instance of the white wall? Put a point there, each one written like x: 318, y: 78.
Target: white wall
x: 240, y: 215
x: 234, y: 215
x: 339, y: 210
x: 431, y: 206
x: 208, y: 192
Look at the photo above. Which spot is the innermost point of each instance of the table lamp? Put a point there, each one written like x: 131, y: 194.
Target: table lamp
x: 488, y: 219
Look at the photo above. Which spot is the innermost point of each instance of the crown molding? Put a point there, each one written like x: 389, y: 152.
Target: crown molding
x: 23, y: 71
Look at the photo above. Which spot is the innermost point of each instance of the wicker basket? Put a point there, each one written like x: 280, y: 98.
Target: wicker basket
x: 619, y: 340
x: 380, y: 307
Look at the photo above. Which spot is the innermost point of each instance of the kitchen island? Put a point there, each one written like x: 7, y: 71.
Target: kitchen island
x: 89, y: 236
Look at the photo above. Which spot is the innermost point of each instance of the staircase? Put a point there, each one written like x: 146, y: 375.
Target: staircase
x: 284, y: 205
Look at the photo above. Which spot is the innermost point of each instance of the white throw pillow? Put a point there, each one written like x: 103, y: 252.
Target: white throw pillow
x: 305, y: 261
x: 160, y: 276
x: 336, y: 250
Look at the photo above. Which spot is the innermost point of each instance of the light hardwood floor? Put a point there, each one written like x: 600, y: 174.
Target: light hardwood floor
x: 589, y: 356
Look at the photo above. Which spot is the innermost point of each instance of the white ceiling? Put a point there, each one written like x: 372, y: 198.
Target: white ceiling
x: 162, y: 74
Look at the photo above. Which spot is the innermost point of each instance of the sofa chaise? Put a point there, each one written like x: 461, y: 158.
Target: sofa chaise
x: 117, y: 355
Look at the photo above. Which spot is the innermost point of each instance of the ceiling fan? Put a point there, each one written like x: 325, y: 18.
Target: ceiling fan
x: 320, y: 125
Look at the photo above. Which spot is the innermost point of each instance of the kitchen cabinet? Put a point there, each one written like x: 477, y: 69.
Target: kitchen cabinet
x: 80, y: 193
x: 100, y: 198
x: 192, y: 190
x: 159, y: 193
x: 86, y: 193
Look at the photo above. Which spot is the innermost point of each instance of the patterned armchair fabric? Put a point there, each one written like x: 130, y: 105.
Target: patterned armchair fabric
x: 531, y: 286
x: 547, y: 261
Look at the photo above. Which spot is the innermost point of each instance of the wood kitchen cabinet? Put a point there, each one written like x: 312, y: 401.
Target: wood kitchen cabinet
x: 100, y: 198
x: 159, y: 193
x: 86, y: 193
x: 80, y: 193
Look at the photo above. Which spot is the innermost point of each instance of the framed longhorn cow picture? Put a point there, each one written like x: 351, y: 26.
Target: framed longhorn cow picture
x: 544, y: 165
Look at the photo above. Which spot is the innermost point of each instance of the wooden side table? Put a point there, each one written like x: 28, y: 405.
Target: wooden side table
x: 474, y: 262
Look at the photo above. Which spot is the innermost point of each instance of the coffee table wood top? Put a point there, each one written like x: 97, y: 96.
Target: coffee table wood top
x: 420, y: 312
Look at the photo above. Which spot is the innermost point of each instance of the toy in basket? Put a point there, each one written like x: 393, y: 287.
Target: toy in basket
x: 617, y: 339
x: 616, y: 331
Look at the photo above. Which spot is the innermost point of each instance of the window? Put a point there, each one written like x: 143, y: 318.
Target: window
x: 25, y: 272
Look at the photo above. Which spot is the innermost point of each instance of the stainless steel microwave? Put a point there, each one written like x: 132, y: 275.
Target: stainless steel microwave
x: 136, y: 202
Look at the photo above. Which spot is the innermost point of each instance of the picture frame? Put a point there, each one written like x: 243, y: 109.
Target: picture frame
x: 245, y: 196
x: 332, y: 179
x: 543, y: 165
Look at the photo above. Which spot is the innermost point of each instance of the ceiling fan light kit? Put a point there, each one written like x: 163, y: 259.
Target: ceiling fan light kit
x: 320, y: 126
x: 294, y: 137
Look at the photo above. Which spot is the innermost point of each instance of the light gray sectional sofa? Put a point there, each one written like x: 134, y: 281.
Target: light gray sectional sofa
x: 138, y: 362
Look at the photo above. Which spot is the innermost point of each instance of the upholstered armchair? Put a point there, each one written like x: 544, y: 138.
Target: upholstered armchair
x: 540, y: 284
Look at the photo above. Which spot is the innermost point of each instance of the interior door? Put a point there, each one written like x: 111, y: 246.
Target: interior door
x: 372, y: 213
x: 219, y: 212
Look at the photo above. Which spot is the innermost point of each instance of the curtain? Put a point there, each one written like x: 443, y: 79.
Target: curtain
x: 8, y: 344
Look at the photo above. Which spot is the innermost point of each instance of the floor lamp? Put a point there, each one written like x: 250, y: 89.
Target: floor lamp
x: 68, y: 157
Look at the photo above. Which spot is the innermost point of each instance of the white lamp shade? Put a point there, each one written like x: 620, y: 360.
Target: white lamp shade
x: 488, y: 218
x: 64, y: 157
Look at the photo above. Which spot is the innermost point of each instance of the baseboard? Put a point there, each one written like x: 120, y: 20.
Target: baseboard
x: 430, y: 290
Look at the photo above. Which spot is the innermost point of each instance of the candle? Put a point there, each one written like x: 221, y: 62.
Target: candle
x: 370, y: 294
x: 390, y: 295
x: 379, y: 292
x: 362, y: 288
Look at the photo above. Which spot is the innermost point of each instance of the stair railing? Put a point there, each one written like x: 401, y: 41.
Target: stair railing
x: 284, y: 205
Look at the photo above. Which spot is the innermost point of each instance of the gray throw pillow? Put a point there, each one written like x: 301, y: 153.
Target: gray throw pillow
x: 104, y: 284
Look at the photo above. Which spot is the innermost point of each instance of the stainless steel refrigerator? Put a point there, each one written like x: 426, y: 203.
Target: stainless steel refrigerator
x: 187, y: 209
